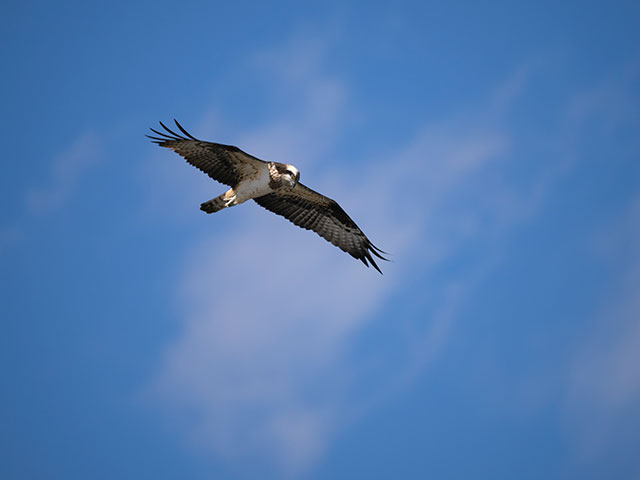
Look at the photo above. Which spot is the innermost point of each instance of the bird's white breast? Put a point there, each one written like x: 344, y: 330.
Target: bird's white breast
x: 254, y: 185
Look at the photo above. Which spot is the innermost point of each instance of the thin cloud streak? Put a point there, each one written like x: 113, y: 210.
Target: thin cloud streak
x: 248, y: 366
x: 604, y: 375
x: 66, y: 170
x: 270, y: 311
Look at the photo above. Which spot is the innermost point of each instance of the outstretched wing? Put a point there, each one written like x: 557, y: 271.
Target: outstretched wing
x: 312, y: 211
x: 224, y: 163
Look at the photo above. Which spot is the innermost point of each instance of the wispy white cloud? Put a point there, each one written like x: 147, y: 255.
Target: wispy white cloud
x: 262, y: 368
x: 604, y: 380
x: 66, y: 170
x: 263, y: 341
x: 268, y: 310
x: 597, y: 383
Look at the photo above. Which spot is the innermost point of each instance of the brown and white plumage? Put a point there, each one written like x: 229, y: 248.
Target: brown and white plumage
x: 312, y: 211
x: 272, y: 185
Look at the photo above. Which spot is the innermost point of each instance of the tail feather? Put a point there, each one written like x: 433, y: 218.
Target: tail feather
x: 214, y: 205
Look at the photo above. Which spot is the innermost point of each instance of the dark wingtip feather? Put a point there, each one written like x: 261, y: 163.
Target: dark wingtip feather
x: 156, y: 139
x: 367, y: 259
x: 375, y: 265
x: 169, y: 135
x: 177, y: 137
x: 376, y: 249
x: 184, y: 131
x: 377, y: 252
x: 164, y: 136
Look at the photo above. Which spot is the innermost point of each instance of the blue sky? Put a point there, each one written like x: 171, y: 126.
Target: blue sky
x: 493, y: 149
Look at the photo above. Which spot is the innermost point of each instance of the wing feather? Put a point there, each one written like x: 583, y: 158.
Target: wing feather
x: 223, y: 163
x: 310, y: 210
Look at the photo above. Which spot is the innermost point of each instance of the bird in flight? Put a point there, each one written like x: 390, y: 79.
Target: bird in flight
x: 272, y: 185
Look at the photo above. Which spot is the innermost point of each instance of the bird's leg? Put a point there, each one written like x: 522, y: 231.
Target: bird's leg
x: 229, y: 198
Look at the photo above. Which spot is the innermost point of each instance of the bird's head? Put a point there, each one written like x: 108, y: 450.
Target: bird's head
x: 291, y: 176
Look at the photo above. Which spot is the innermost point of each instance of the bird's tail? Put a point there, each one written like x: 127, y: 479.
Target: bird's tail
x: 215, y: 204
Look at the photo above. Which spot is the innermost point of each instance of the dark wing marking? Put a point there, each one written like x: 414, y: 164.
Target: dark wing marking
x: 224, y: 163
x: 312, y: 211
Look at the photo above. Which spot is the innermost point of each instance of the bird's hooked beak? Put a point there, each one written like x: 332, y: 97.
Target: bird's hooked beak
x: 294, y: 176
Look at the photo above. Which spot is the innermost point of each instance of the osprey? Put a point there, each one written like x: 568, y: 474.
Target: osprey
x: 272, y: 185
